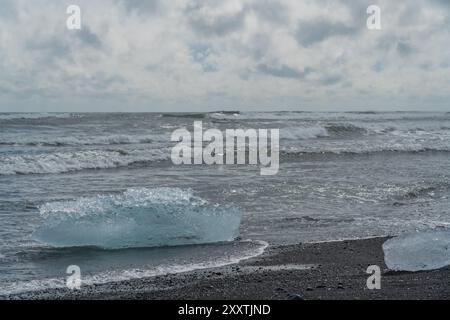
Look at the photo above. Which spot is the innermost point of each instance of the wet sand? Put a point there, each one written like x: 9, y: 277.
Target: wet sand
x: 333, y: 270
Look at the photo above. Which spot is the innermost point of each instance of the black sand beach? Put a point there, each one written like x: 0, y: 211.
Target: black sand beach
x: 334, y: 270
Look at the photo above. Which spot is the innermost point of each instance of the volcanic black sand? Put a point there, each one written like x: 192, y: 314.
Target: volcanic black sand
x: 334, y: 270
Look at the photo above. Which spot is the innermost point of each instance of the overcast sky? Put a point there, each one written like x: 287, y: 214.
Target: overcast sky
x: 192, y: 55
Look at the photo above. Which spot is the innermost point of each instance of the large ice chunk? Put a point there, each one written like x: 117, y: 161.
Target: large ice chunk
x: 138, y: 218
x: 426, y: 250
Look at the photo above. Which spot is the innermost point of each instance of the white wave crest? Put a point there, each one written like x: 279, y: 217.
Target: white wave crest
x: 61, y: 162
x: 304, y: 133
x: 253, y: 249
x: 116, y: 139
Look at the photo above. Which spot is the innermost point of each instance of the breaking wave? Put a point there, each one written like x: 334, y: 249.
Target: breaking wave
x: 86, y: 141
x: 62, y: 162
x: 345, y: 130
x: 304, y: 133
x: 138, y: 218
x: 229, y: 255
x: 369, y: 146
x: 321, y: 131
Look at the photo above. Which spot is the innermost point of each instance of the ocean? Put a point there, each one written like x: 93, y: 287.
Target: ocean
x: 99, y: 190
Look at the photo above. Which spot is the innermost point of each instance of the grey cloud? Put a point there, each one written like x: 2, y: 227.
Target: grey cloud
x: 200, y: 54
x: 7, y: 10
x: 97, y: 82
x: 330, y: 80
x: 61, y: 46
x: 258, y: 45
x: 51, y: 48
x: 404, y: 49
x: 219, y: 26
x: 444, y: 3
x: 208, y: 40
x: 87, y: 37
x: 141, y: 6
x: 312, y: 32
x: 284, y: 72
x: 270, y: 11
x: 223, y: 24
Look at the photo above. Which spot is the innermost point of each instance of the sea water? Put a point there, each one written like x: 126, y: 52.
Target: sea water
x: 100, y: 191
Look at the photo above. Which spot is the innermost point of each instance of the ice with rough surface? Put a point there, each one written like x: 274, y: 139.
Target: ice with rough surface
x: 137, y: 218
x: 426, y: 250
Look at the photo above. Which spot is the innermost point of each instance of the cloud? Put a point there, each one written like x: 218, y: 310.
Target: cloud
x: 141, y: 6
x: 404, y: 49
x: 284, y: 72
x: 89, y: 38
x: 312, y: 32
x: 331, y: 80
x: 181, y: 55
x: 214, y: 18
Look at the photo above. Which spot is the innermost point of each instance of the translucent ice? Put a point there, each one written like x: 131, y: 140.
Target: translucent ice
x: 417, y: 251
x: 137, y: 218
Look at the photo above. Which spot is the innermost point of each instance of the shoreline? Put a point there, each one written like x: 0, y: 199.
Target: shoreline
x: 310, y: 271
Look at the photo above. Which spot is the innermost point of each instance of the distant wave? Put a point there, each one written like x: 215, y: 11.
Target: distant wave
x: 80, y: 141
x: 138, y: 218
x: 408, y: 133
x: 61, y: 162
x: 194, y: 115
x: 14, y: 116
x: 304, y: 133
x: 224, y: 115
x: 345, y: 129
x: 327, y: 116
x: 289, y: 152
x: 362, y: 112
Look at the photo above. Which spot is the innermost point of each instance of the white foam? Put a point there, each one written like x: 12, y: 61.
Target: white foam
x: 130, y: 274
x: 61, y: 162
x: 304, y: 133
x: 394, y: 144
x: 116, y: 139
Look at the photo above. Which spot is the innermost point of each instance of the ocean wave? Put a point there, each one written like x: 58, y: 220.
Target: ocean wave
x: 241, y: 251
x: 368, y: 116
x: 362, y: 112
x: 62, y: 162
x: 224, y: 115
x: 351, y: 130
x: 359, y: 149
x: 424, y: 191
x: 117, y: 139
x: 193, y: 115
x: 304, y: 133
x: 16, y: 116
x: 393, y: 194
x: 342, y: 130
x: 394, y: 141
x: 138, y: 218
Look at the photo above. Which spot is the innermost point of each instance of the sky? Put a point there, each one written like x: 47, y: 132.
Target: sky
x: 192, y: 55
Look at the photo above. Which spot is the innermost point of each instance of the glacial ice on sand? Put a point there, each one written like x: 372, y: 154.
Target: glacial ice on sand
x: 426, y: 250
x: 137, y: 218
